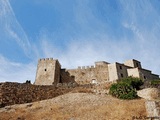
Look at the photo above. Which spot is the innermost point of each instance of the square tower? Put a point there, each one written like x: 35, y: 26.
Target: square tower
x: 48, y: 72
x: 133, y: 63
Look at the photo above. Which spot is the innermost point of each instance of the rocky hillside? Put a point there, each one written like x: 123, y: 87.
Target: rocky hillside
x: 76, y: 106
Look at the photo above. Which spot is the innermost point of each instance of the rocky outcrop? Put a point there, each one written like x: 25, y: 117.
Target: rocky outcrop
x: 152, y: 96
x: 149, y: 93
x: 153, y: 108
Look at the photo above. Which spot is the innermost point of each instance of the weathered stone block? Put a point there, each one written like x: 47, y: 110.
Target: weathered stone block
x: 149, y: 93
x: 152, y: 108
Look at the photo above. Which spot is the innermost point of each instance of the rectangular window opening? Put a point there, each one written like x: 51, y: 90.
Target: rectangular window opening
x: 121, y: 75
x: 120, y: 67
x: 137, y: 65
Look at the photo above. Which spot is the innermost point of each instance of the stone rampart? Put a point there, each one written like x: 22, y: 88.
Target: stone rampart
x: 85, y: 67
x: 18, y: 93
x: 85, y: 74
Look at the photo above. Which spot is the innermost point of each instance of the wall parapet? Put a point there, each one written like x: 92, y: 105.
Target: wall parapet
x: 85, y: 67
x: 45, y: 59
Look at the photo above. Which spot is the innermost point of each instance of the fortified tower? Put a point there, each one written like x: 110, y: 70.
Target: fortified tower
x: 133, y: 63
x: 48, y: 72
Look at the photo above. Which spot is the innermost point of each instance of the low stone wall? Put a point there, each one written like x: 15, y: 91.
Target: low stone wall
x: 18, y: 93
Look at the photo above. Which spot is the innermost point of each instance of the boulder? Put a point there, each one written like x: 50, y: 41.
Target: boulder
x: 149, y: 93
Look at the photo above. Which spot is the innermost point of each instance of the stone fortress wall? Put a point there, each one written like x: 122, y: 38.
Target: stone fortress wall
x: 19, y: 93
x: 49, y: 72
x: 104, y: 72
x: 88, y: 74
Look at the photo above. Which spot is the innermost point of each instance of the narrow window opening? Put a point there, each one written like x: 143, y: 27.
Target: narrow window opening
x: 137, y: 65
x: 121, y: 75
x: 144, y: 77
x: 60, y: 81
x: 120, y: 67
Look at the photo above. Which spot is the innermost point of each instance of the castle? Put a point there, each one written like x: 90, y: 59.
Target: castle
x: 49, y: 72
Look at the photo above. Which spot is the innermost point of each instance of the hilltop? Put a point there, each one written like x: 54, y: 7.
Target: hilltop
x: 76, y: 106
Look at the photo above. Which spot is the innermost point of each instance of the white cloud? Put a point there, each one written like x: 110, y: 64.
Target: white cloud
x: 11, y: 27
x: 143, y: 20
x: 83, y: 51
x: 16, y: 72
x: 11, y: 31
x: 140, y: 18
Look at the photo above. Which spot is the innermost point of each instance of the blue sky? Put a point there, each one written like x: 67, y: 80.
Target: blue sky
x: 78, y: 33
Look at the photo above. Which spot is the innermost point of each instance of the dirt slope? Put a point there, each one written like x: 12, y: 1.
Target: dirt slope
x: 76, y: 106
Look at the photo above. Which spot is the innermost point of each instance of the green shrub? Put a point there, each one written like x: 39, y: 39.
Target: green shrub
x: 155, y: 82
x: 132, y: 81
x: 126, y: 88
x: 123, y: 91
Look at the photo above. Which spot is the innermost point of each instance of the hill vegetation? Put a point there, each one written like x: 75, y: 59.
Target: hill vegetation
x: 126, y: 88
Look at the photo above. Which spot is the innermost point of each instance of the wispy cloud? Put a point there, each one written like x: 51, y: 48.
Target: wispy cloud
x: 143, y: 22
x: 11, y: 27
x: 87, y: 49
x: 12, y: 32
x: 16, y: 72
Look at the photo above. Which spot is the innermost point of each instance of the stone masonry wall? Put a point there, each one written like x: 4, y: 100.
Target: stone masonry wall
x: 18, y: 93
x: 65, y: 77
x: 83, y: 75
x: 86, y: 74
x: 48, y: 72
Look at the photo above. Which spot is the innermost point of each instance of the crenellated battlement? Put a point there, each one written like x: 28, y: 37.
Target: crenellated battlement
x: 48, y: 71
x: 85, y: 67
x: 46, y: 59
x: 97, y: 65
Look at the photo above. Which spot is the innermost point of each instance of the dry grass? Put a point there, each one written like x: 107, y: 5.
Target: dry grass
x: 77, y: 106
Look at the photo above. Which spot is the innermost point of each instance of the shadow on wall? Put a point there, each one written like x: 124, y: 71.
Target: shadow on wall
x: 65, y: 77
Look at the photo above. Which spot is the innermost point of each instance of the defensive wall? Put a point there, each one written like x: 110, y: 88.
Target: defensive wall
x: 19, y: 93
x: 86, y: 74
x: 65, y: 76
x: 49, y: 72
